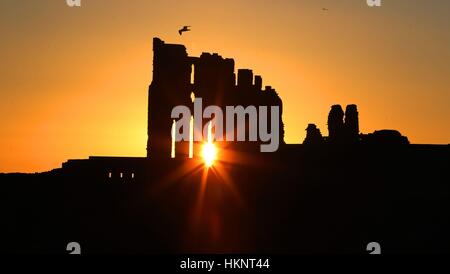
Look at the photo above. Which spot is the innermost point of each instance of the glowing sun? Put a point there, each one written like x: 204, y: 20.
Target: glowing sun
x: 209, y: 153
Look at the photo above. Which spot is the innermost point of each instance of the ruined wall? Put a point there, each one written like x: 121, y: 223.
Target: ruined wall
x: 214, y: 81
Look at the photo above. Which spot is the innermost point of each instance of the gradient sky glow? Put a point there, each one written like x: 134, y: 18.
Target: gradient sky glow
x: 73, y: 81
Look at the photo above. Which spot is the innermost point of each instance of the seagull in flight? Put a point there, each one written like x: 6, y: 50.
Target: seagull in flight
x: 185, y: 28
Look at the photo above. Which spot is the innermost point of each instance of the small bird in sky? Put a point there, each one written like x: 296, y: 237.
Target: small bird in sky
x: 185, y: 28
x: 324, y: 9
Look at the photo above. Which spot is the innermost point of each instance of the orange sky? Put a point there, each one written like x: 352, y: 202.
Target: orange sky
x: 73, y: 81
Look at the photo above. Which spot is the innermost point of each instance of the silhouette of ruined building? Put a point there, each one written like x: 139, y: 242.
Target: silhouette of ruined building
x: 313, y: 135
x: 343, y: 129
x: 177, y: 78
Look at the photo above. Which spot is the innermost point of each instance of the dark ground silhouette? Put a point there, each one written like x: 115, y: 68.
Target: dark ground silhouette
x: 299, y: 200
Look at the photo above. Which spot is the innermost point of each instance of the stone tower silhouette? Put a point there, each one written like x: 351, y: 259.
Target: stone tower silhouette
x: 170, y: 87
x: 335, y: 123
x: 351, y: 123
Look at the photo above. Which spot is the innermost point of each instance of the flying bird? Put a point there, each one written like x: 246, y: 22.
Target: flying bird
x: 325, y: 9
x: 185, y: 28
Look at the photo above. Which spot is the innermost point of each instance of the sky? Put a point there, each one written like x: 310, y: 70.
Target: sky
x: 74, y: 81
